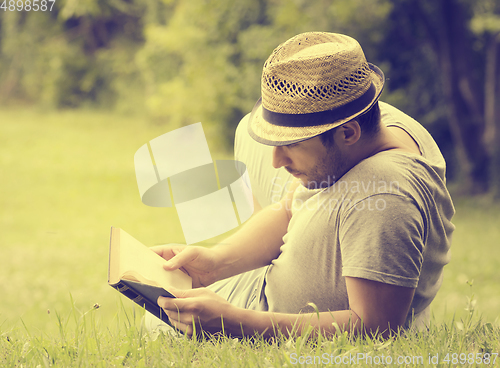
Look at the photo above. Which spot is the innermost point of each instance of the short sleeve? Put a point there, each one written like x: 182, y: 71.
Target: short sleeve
x: 382, y: 239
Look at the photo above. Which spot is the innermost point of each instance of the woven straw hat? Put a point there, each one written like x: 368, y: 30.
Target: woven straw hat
x: 312, y: 83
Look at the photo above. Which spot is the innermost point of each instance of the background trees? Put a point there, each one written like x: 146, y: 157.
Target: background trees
x: 183, y: 61
x: 453, y: 47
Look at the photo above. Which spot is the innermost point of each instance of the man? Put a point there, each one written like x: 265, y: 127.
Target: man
x: 363, y: 233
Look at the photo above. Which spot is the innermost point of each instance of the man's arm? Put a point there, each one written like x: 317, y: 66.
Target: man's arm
x: 255, y: 245
x: 375, y: 308
x: 258, y: 242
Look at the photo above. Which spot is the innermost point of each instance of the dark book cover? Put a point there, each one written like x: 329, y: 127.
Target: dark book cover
x: 146, y: 296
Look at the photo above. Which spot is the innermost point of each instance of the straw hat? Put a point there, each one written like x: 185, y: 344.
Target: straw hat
x: 312, y: 83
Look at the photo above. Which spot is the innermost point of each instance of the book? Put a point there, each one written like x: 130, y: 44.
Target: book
x: 137, y: 272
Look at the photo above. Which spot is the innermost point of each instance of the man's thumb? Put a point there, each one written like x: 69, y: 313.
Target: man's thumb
x: 179, y: 260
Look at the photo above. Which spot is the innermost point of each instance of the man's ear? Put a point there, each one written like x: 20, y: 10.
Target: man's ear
x: 350, y: 132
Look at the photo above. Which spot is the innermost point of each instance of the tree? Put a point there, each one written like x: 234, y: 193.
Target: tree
x: 486, y: 25
x: 62, y: 58
x: 455, y: 57
x: 204, y: 63
x: 185, y: 61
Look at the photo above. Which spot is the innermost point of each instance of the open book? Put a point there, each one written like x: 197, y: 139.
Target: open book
x: 137, y: 272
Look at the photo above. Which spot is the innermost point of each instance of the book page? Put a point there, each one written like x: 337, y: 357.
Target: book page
x: 139, y: 263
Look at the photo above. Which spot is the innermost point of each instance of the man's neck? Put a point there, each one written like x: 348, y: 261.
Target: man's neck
x: 387, y: 139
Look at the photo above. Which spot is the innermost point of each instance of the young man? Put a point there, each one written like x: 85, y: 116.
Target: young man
x: 363, y: 232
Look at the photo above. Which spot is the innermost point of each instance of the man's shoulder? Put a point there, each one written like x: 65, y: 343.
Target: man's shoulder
x: 391, y: 116
x: 376, y: 175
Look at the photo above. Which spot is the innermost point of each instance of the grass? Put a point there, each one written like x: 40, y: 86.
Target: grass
x: 66, y: 177
x: 83, y: 341
x: 473, y: 270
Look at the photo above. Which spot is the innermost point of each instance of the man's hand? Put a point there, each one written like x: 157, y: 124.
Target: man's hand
x: 196, y: 310
x: 198, y: 262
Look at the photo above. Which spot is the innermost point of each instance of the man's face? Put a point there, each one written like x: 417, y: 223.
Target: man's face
x: 310, y: 161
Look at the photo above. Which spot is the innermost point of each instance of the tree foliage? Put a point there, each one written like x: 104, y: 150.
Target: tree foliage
x: 75, y: 54
x: 183, y: 61
x: 452, y: 79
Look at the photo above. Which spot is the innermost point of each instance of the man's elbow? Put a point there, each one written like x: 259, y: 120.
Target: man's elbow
x: 378, y: 325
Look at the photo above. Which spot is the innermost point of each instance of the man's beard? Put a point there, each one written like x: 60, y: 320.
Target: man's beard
x: 327, y: 171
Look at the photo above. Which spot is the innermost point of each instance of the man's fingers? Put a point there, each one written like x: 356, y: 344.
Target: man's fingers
x: 187, y: 293
x: 167, y: 251
x: 177, y: 255
x: 187, y: 329
x: 174, y: 303
x: 173, y: 308
x: 158, y: 249
x: 180, y: 259
x: 170, y: 304
x: 181, y: 304
x: 182, y: 319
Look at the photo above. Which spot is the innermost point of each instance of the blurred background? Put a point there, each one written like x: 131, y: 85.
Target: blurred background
x: 85, y: 83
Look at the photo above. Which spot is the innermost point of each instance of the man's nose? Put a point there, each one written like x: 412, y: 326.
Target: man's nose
x: 280, y: 158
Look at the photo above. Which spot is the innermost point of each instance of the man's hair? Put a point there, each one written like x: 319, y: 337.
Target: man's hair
x: 369, y: 123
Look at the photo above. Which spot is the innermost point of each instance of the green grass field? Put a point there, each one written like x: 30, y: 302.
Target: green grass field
x: 67, y: 177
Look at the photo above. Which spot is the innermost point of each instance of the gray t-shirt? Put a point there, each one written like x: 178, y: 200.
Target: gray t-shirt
x: 388, y: 219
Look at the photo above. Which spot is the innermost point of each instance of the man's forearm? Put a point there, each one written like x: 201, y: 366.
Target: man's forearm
x: 256, y: 244
x: 268, y: 324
